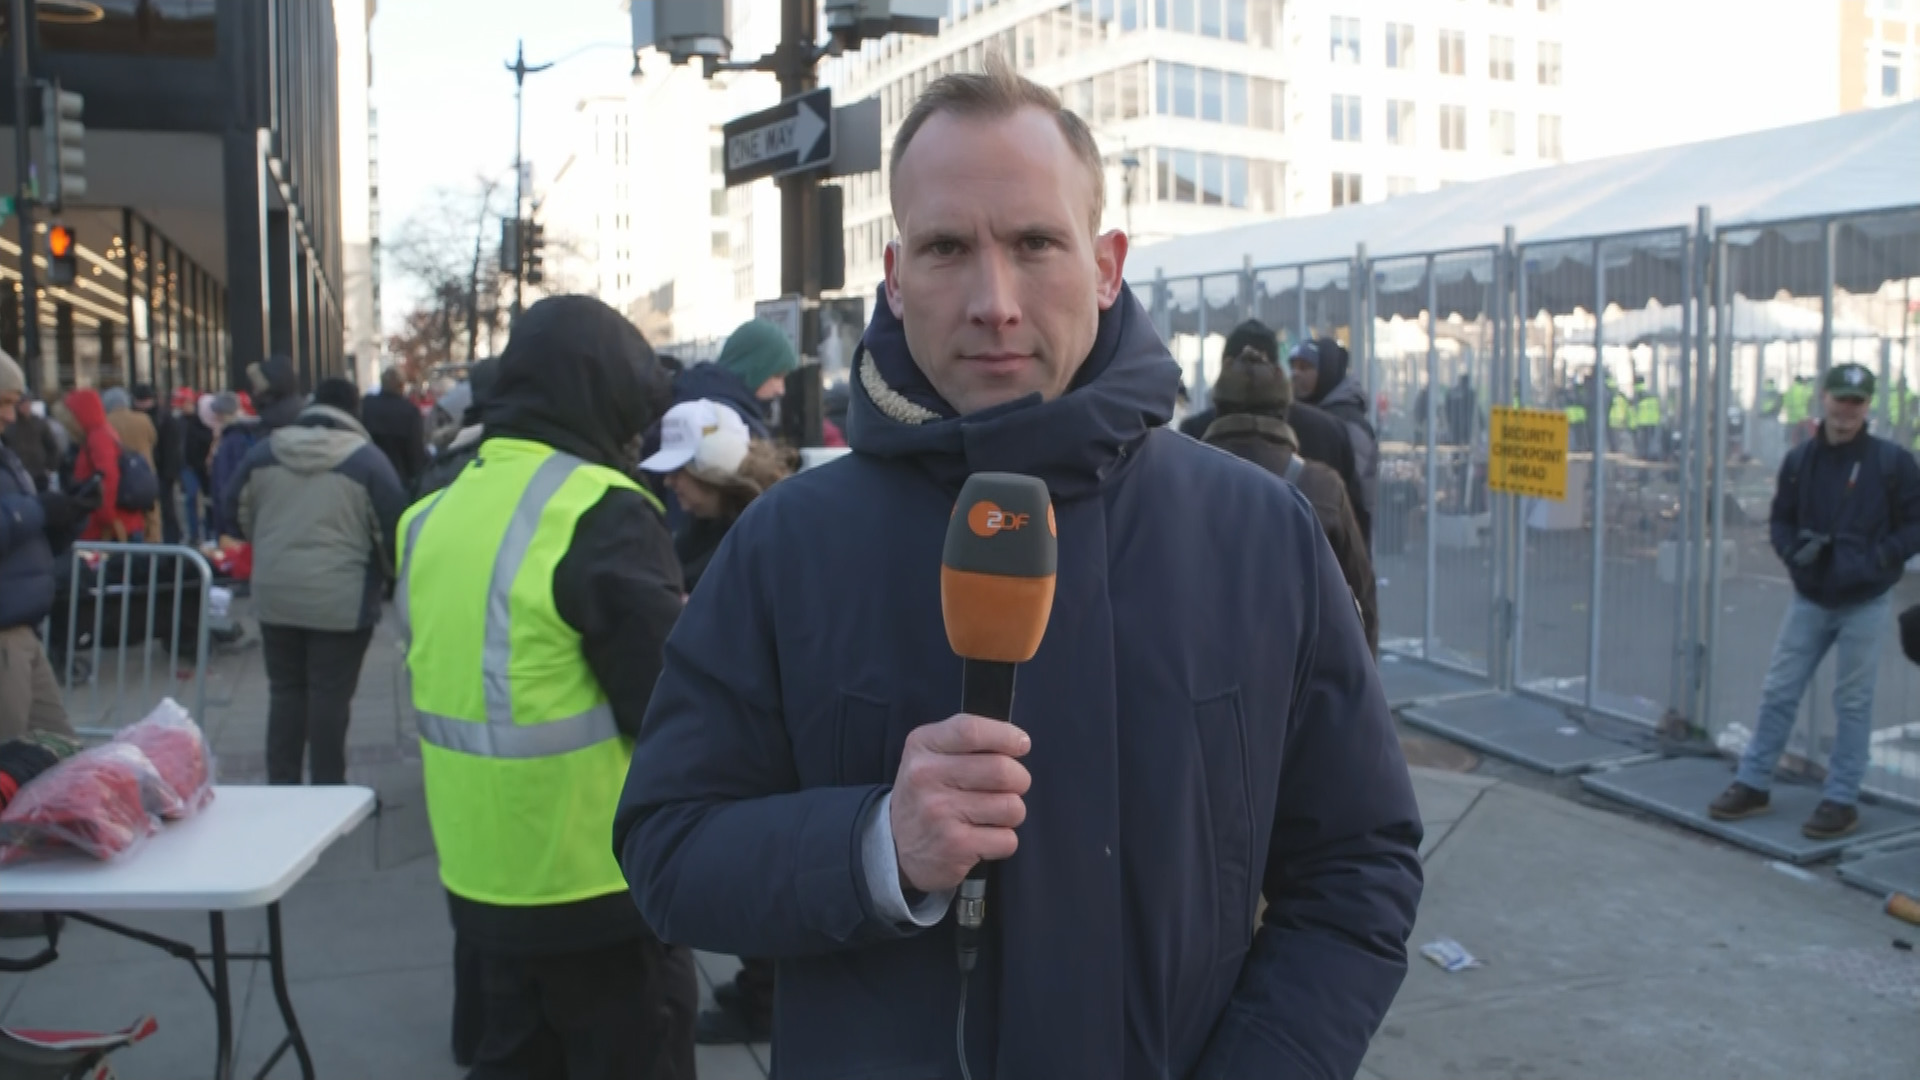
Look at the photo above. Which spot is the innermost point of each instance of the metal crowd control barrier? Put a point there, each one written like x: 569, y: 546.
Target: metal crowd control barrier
x: 1688, y: 361
x: 132, y: 575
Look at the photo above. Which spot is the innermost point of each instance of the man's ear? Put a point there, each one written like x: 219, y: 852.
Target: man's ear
x: 1109, y: 262
x: 891, y: 260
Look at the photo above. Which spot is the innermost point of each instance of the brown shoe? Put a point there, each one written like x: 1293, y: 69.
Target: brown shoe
x: 1830, y: 821
x: 1738, y: 803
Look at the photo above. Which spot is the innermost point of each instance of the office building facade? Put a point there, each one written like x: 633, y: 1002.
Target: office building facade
x: 1210, y: 113
x: 211, y: 235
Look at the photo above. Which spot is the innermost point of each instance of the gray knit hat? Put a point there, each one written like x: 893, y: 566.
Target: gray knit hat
x: 12, y: 379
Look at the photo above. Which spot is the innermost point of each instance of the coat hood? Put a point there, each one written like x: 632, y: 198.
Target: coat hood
x: 715, y: 383
x: 1334, y: 364
x: 1075, y: 442
x: 322, y: 438
x: 578, y: 377
x: 86, y: 407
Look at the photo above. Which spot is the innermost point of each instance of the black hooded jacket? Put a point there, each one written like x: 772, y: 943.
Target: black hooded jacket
x: 581, y: 379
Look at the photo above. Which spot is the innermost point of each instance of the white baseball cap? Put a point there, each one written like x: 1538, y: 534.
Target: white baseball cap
x: 703, y: 435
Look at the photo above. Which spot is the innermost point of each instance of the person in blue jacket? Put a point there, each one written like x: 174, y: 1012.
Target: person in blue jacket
x: 1202, y: 726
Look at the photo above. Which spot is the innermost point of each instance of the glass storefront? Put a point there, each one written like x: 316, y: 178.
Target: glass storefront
x: 138, y: 310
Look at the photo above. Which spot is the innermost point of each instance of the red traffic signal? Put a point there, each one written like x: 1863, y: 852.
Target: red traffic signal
x: 62, y: 267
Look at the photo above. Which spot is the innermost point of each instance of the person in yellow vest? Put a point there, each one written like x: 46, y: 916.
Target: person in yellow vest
x: 1645, y: 421
x: 535, y: 597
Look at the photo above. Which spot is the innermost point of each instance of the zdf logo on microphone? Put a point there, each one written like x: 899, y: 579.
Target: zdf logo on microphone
x: 987, y: 520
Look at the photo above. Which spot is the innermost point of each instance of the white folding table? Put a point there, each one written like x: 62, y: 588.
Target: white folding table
x: 247, y: 849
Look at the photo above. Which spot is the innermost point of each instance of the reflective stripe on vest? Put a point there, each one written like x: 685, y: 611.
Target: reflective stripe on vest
x: 501, y: 736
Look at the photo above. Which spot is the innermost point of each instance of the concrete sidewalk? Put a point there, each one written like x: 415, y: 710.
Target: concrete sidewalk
x: 1612, y: 947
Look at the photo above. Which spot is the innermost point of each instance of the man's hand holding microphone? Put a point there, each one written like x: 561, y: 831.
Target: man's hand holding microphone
x: 957, y: 799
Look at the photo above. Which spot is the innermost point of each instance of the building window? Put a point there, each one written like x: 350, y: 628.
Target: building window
x: 1202, y: 94
x: 1346, y: 188
x: 1549, y: 7
x: 1453, y: 52
x: 1345, y: 40
x: 1453, y: 127
x: 1184, y: 176
x: 1399, y: 46
x: 1500, y: 131
x: 175, y: 28
x: 1269, y: 104
x: 1501, y: 3
x: 1131, y: 85
x: 1500, y: 59
x: 1346, y: 118
x: 1549, y: 138
x: 1400, y: 185
x: 716, y: 158
x: 1889, y: 74
x: 1231, y: 20
x: 717, y: 202
x: 1399, y: 123
x: 1549, y: 63
x: 722, y: 248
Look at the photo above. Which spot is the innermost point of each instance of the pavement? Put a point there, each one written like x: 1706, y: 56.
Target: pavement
x: 1611, y: 945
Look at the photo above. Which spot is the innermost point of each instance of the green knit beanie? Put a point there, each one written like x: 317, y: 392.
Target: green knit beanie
x: 756, y: 352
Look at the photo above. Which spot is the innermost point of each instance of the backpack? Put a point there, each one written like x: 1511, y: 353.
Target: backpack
x: 139, y: 487
x: 139, y: 490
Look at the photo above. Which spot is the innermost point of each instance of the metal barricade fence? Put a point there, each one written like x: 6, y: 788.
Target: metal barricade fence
x: 117, y: 597
x: 1792, y: 300
x: 1688, y: 362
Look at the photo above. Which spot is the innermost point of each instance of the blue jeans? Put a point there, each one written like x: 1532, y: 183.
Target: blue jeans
x: 1806, y: 634
x: 190, y: 496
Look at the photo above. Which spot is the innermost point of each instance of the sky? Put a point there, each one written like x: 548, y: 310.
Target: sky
x: 445, y: 96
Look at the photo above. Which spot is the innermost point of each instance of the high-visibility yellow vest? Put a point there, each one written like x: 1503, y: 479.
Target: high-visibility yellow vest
x: 1799, y: 402
x: 1618, y: 412
x: 524, y: 764
x: 1646, y: 412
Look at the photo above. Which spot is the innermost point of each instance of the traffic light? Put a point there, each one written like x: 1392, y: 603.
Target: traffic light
x: 535, y: 247
x: 66, y: 152
x: 62, y: 260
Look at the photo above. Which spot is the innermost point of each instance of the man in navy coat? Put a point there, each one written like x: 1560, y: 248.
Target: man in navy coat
x: 1202, y: 725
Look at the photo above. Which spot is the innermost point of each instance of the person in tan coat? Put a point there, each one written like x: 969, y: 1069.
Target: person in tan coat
x: 137, y: 434
x: 1252, y: 396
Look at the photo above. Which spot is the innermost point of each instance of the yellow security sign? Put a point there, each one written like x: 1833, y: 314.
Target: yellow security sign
x: 1528, y: 453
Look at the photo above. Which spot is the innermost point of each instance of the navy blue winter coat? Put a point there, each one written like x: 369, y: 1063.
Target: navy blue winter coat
x: 1207, y: 725
x: 26, y: 558
x: 1865, y: 494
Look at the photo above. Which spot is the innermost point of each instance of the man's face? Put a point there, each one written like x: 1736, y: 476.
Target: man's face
x: 9, y: 409
x: 1305, y: 377
x: 774, y: 387
x: 997, y: 276
x: 1845, y: 416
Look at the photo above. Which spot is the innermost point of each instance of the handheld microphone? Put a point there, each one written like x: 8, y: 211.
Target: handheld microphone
x: 996, y: 593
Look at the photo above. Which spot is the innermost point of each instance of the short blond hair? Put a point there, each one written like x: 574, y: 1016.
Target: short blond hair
x: 999, y: 92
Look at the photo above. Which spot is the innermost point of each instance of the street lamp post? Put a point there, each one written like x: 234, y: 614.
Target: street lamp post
x: 520, y: 72
x: 521, y: 69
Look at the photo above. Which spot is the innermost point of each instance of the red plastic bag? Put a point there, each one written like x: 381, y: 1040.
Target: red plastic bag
x: 104, y: 801
x: 175, y: 745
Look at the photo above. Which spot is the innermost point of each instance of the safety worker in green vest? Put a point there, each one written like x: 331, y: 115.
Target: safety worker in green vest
x: 535, y: 596
x: 1800, y: 409
x: 1619, y: 414
x: 1770, y: 400
x: 1578, y: 435
x: 1645, y: 420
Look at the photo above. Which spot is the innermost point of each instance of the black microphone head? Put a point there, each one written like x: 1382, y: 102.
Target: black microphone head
x: 997, y: 570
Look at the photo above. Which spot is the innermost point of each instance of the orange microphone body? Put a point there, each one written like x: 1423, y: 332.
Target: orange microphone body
x: 997, y: 576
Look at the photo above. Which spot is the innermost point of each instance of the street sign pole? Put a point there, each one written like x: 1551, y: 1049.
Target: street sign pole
x: 799, y: 27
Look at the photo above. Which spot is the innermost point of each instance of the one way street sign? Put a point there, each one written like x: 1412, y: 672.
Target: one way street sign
x: 793, y: 136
